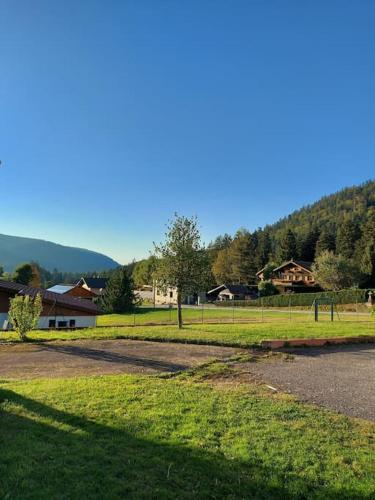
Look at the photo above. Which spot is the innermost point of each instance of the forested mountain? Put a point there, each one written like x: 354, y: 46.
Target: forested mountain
x: 343, y: 223
x: 353, y: 203
x: 14, y: 250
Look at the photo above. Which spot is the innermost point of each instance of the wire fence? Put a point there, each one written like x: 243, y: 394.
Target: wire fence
x: 360, y: 311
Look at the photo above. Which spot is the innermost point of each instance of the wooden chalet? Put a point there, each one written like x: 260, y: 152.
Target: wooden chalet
x: 292, y: 276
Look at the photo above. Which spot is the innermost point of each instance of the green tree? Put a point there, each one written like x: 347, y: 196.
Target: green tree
x: 287, y: 246
x: 1, y: 271
x: 222, y: 267
x: 24, y: 313
x: 335, y: 272
x: 242, y: 254
x: 143, y: 272
x: 119, y: 295
x: 267, y: 288
x: 183, y: 261
x: 263, y: 249
x: 366, y: 249
x: 308, y: 245
x: 23, y: 274
x: 326, y: 241
x: 348, y: 234
x: 268, y: 270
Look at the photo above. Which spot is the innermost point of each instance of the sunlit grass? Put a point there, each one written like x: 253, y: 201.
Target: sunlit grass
x: 150, y: 437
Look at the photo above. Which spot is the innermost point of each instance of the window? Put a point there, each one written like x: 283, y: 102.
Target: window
x: 171, y: 295
x: 52, y: 323
x: 62, y: 324
x: 72, y: 323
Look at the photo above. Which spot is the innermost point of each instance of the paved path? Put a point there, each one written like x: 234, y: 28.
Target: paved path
x: 341, y: 378
x: 95, y: 357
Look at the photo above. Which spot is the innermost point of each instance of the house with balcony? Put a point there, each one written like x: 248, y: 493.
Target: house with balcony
x: 293, y: 276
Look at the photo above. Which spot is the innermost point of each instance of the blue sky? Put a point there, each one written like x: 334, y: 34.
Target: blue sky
x: 116, y: 114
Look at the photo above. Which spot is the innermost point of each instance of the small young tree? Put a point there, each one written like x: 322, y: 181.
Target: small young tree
x: 335, y: 272
x: 119, y: 294
x: 24, y: 313
x: 183, y: 263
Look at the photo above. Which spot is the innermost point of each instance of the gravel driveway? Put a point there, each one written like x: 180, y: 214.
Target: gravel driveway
x: 341, y: 378
x: 95, y: 357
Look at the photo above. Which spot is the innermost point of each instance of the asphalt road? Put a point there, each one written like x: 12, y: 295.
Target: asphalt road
x: 341, y: 378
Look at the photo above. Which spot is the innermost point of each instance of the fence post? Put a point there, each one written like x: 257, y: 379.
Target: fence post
x: 202, y: 313
x: 261, y: 306
x: 233, y: 311
x: 134, y: 318
x: 290, y: 308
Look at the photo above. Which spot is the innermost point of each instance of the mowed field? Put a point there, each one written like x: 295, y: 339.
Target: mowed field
x: 144, y: 315
x: 190, y: 435
x: 237, y: 334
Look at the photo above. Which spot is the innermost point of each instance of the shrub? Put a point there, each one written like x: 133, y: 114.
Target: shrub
x: 24, y: 313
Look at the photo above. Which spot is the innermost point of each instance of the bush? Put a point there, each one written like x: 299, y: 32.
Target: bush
x: 350, y: 296
x: 267, y: 288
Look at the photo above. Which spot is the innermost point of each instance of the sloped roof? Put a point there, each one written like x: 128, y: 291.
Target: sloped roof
x: 60, y: 288
x: 50, y: 297
x: 94, y: 282
x: 233, y: 288
x: 302, y: 263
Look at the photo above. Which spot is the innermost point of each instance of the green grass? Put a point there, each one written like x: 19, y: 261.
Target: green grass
x: 160, y: 437
x: 144, y: 316
x: 242, y: 335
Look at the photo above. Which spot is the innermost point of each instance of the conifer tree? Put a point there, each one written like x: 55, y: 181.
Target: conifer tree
x: 119, y: 294
x: 348, y: 234
x: 287, y: 246
x: 326, y: 241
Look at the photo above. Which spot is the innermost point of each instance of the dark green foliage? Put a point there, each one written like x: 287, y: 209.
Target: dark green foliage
x: 287, y: 246
x: 301, y: 299
x: 143, y: 272
x: 23, y: 274
x: 119, y: 295
x: 326, y: 241
x: 267, y: 288
x: 308, y: 245
x: 348, y: 234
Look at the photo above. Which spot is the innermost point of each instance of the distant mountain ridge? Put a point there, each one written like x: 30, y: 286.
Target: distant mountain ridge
x: 15, y: 250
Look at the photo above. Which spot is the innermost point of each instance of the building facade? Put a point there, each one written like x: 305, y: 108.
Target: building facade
x: 292, y: 276
x: 59, y: 310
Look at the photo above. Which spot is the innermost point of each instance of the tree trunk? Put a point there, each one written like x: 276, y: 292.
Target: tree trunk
x: 179, y: 309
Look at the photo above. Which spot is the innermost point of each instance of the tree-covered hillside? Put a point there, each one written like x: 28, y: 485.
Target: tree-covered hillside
x: 330, y: 211
x: 342, y: 223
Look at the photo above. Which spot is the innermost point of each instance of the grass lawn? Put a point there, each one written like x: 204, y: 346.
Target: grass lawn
x: 175, y: 437
x: 242, y: 335
x: 144, y: 316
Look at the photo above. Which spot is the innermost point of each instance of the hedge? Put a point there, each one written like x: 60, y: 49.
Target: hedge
x: 299, y: 299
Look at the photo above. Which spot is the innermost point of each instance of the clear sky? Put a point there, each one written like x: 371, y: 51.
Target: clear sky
x: 115, y: 114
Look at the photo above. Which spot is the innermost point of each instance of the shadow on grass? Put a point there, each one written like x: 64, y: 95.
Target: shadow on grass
x: 48, y: 453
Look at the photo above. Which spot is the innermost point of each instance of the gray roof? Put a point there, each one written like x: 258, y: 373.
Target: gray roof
x: 61, y: 288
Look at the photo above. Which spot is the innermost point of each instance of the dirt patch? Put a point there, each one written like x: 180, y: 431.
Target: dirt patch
x: 96, y: 357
